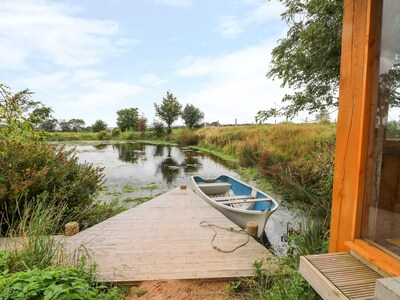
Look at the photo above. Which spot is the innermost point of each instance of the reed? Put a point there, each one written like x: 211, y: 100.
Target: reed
x: 30, y: 240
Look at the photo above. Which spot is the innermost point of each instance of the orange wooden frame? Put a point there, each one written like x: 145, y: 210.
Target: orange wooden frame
x: 357, y: 93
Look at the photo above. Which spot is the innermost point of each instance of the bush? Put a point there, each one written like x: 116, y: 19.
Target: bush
x: 53, y: 283
x: 116, y: 132
x: 102, y: 135
x: 159, y: 129
x: 31, y: 169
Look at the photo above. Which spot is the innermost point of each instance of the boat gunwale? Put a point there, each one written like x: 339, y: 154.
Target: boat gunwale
x: 224, y: 206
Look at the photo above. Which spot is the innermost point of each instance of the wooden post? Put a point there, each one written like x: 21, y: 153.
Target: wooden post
x: 183, y: 187
x: 71, y: 228
x: 252, y: 228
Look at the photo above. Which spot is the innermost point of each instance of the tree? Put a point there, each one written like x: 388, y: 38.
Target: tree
x: 308, y: 59
x: 142, y: 124
x: 77, y: 125
x: 169, y: 110
x: 15, y: 106
x: 14, y: 114
x: 99, y: 125
x: 42, y: 117
x: 192, y: 116
x: 127, y: 119
x: 65, y: 125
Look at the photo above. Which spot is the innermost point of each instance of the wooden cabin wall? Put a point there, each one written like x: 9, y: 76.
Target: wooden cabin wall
x: 355, y: 94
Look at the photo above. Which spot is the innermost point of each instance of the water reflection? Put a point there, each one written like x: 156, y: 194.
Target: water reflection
x: 158, y: 150
x: 169, y: 169
x: 130, y: 152
x: 137, y: 171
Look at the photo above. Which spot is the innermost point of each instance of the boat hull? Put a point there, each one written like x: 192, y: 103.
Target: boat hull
x: 238, y: 215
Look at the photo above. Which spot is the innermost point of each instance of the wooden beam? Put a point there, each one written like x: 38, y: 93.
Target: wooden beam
x: 246, y: 201
x: 377, y: 257
x: 232, y: 197
x: 357, y: 66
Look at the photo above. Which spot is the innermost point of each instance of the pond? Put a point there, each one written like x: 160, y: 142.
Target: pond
x: 137, y: 172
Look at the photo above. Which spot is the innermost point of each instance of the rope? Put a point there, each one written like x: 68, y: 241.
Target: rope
x: 213, y: 226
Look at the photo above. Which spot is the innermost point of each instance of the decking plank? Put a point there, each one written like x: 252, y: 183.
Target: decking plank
x: 339, y: 276
x: 163, y: 239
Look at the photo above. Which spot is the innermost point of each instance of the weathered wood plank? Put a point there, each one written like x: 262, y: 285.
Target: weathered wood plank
x: 350, y: 279
x: 163, y: 239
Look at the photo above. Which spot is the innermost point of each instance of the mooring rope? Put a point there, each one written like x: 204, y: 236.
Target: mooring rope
x: 213, y: 226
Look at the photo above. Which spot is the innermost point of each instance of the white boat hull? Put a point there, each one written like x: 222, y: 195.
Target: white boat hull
x: 238, y: 215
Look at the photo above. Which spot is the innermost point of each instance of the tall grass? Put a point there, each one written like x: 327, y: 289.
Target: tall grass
x: 30, y: 243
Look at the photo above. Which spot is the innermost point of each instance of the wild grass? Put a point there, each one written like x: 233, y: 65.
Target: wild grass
x: 35, y: 264
x: 31, y: 243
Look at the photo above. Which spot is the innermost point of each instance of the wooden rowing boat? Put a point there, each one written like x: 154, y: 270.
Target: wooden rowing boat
x: 238, y: 201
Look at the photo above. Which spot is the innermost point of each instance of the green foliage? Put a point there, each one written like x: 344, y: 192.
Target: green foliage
x: 308, y: 59
x: 29, y: 229
x: 73, y: 125
x: 188, y: 139
x: 116, y: 132
x: 142, y: 125
x: 127, y: 119
x: 95, y: 213
x: 278, y: 282
x: 192, y: 116
x: 140, y: 292
x: 311, y: 238
x: 43, y: 119
x: 169, y: 110
x: 102, y: 135
x: 158, y: 129
x: 15, y: 121
x: 53, y: 283
x: 30, y: 169
x: 99, y: 125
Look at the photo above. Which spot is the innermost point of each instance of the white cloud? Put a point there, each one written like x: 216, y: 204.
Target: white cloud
x: 105, y: 94
x: 180, y: 3
x: 152, y: 79
x: 232, y: 27
x: 50, y: 32
x: 235, y: 83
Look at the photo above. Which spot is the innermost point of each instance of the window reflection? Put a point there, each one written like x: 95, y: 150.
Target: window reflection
x: 383, y: 211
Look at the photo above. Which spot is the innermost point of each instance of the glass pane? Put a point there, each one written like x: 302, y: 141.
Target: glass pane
x: 384, y: 210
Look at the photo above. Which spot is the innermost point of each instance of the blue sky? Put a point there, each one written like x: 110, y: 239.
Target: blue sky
x: 87, y: 59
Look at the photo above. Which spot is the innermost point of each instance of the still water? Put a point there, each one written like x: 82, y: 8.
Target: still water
x: 136, y: 172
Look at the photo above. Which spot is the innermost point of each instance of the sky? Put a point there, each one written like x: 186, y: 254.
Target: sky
x: 87, y: 59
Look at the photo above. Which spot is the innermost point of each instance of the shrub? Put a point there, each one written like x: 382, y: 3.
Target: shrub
x: 95, y: 213
x: 116, y: 132
x: 159, y: 129
x: 53, y: 283
x: 102, y: 135
x: 32, y: 169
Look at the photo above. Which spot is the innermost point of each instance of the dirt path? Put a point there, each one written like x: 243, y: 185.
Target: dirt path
x: 181, y: 290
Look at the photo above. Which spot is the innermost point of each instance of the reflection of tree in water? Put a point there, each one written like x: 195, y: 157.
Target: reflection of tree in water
x: 192, y: 163
x: 100, y: 146
x: 130, y: 152
x: 158, y: 150
x: 169, y: 169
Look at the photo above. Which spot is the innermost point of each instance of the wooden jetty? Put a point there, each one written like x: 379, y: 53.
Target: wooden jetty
x: 163, y: 239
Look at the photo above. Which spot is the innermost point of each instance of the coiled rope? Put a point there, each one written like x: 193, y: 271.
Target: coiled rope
x: 213, y: 226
